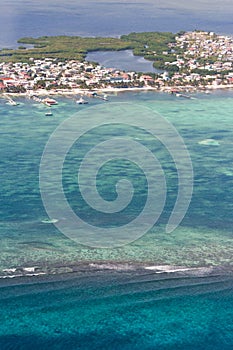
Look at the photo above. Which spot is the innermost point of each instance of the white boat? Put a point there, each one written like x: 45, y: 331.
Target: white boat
x: 81, y: 101
x: 183, y: 95
x: 49, y: 113
x: 49, y: 101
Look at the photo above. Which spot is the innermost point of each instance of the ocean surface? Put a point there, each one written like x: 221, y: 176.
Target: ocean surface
x: 118, y: 311
x: 109, y: 18
x: 163, y: 291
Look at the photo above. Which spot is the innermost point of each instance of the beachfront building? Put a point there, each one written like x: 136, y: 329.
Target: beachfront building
x: 200, y: 59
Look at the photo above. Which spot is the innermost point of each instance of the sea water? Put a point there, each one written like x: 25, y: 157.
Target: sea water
x: 204, y: 236
x: 115, y: 310
x: 115, y: 301
x: 109, y: 18
x: 123, y: 60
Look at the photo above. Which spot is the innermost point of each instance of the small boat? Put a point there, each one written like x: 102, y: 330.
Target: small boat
x: 102, y: 97
x: 49, y: 113
x: 183, y: 95
x: 49, y: 101
x: 81, y: 101
x: 49, y: 221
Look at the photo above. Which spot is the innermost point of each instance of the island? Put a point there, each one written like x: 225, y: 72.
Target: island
x: 187, y: 61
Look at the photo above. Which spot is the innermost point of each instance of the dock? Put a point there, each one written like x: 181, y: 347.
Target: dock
x: 10, y: 100
x: 46, y: 101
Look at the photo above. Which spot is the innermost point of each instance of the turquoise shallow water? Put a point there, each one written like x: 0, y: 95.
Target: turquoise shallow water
x: 205, y: 235
x: 118, y: 305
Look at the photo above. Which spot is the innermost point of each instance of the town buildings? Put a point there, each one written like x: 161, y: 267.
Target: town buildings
x: 202, y: 59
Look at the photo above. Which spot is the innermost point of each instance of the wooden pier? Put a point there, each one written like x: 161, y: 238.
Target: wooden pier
x: 10, y: 100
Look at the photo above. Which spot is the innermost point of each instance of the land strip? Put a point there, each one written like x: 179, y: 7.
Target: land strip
x: 188, y: 61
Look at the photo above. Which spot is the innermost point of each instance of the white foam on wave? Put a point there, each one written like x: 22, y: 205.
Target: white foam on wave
x: 22, y: 271
x: 21, y: 275
x: 9, y: 270
x: 172, y: 269
x: 30, y: 269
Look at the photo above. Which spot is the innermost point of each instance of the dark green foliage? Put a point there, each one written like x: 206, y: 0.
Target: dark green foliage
x: 63, y: 47
x: 146, y: 44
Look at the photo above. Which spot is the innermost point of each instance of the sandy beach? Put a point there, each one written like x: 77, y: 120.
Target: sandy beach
x: 168, y: 89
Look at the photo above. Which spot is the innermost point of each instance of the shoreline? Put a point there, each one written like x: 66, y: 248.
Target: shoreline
x: 64, y: 93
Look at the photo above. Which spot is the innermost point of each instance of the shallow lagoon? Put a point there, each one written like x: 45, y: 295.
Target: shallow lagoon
x: 205, y: 235
x: 123, y: 60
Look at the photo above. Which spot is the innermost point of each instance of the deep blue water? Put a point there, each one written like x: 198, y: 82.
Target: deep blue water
x: 104, y: 18
x: 118, y: 311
